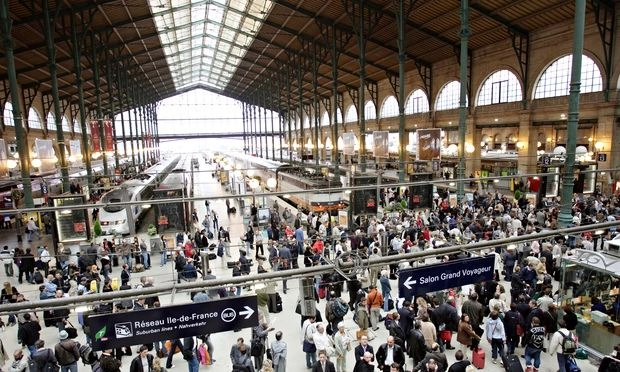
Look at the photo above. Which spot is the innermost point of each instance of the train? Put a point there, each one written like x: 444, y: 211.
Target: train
x: 174, y: 215
x: 302, y: 183
x: 113, y: 218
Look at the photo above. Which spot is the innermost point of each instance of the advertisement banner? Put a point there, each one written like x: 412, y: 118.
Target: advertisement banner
x: 429, y: 144
x: 94, y: 136
x: 45, y: 152
x: 4, y: 157
x: 109, y: 331
x: 451, y: 274
x: 349, y: 143
x: 381, y: 144
x: 75, y: 150
x: 108, y: 135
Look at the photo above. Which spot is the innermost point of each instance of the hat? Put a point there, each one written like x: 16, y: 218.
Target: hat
x: 63, y: 335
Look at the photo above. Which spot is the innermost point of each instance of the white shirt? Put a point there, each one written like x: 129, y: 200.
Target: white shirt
x: 389, y: 356
x: 32, y: 225
x: 45, y: 256
x: 321, y: 340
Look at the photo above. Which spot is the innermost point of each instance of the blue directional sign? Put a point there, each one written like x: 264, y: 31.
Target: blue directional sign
x: 432, y: 278
x: 108, y: 331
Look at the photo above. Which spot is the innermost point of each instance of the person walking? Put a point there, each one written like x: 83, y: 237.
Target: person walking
x: 29, y: 332
x: 535, y: 337
x: 67, y: 353
x: 308, y: 346
x: 389, y: 353
x: 278, y: 353
x: 557, y: 344
x: 19, y: 364
x: 32, y: 229
x: 323, y: 364
x: 465, y: 334
x: 375, y: 303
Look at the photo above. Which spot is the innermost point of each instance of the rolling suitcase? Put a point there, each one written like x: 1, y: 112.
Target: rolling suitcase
x: 512, y: 363
x: 478, y: 358
x: 278, y: 303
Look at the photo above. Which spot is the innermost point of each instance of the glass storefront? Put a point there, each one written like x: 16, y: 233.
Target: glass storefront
x: 591, y: 281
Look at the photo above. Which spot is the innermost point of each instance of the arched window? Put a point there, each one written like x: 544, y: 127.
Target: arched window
x: 351, y: 115
x: 501, y: 87
x: 389, y: 108
x: 339, y: 114
x: 77, y: 128
x: 306, y: 122
x: 8, y: 115
x: 65, y: 124
x: 555, y: 81
x: 51, y: 124
x: 449, y: 96
x: 370, y: 112
x: 325, y: 119
x: 34, y: 120
x: 416, y: 102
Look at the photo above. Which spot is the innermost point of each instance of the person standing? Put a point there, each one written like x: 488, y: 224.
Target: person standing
x: 556, y: 345
x: 342, y: 344
x: 386, y: 289
x: 308, y: 331
x: 164, y: 252
x: 496, y: 335
x: 45, y: 259
x: 19, y: 364
x: 259, y: 334
x: 475, y: 310
x: 278, y: 353
x: 7, y: 260
x: 27, y: 266
x: 67, y: 353
x: 465, y: 334
x: 323, y: 364
x: 363, y: 348
x: 41, y: 357
x: 389, y: 353
x: 143, y: 362
x: 365, y: 363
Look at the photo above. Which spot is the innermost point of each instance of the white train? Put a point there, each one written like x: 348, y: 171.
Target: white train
x: 301, y: 182
x: 113, y: 217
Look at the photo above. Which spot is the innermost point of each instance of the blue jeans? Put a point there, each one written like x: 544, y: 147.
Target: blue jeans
x: 128, y: 260
x: 310, y: 359
x: 561, y: 362
x: 386, y: 301
x: 32, y: 349
x: 192, y: 364
x: 163, y: 258
x: 69, y: 367
x: 532, y: 355
x: 497, y: 346
x: 145, y: 259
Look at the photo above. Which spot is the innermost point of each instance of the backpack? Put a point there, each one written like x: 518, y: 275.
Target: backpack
x: 569, y: 343
x: 570, y: 364
x: 203, y: 355
x: 240, y: 368
x: 339, y: 308
x: 256, y: 347
x: 87, y: 354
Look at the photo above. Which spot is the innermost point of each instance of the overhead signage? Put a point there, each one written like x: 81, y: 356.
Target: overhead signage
x: 432, y: 278
x: 95, y: 136
x: 108, y: 130
x: 114, y: 330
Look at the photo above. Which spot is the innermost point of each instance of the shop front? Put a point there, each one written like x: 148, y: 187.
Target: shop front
x: 591, y: 285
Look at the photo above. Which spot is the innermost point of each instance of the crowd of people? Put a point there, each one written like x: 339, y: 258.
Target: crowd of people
x: 517, y: 313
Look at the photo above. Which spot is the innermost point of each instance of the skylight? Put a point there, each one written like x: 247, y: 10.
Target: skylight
x: 205, y: 40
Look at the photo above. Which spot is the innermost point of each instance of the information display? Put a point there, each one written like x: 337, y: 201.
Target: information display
x: 108, y: 331
x: 432, y: 278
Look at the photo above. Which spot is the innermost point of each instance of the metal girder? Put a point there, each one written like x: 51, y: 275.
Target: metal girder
x: 327, y: 103
x: 332, y: 34
x: 92, y: 4
x: 373, y: 89
x: 28, y: 96
x: 457, y: 51
x: 490, y: 14
x: 426, y: 75
x: 605, y: 14
x: 361, y: 9
x: 354, y: 94
x: 4, y: 96
x: 394, y: 82
x: 521, y: 46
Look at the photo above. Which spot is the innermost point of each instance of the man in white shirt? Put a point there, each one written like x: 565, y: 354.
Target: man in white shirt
x: 45, y: 258
x: 32, y: 229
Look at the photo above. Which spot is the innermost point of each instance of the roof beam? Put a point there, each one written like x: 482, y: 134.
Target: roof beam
x: 490, y: 14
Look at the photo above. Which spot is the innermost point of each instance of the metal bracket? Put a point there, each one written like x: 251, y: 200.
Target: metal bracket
x: 521, y: 46
x: 356, y: 9
x: 47, y: 102
x: 373, y: 89
x: 394, y: 83
x: 327, y: 103
x: 354, y: 94
x: 426, y: 75
x: 457, y: 51
x: 605, y: 15
x: 28, y: 96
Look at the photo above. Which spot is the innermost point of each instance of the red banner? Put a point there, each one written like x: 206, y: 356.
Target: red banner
x: 108, y: 136
x: 95, y: 137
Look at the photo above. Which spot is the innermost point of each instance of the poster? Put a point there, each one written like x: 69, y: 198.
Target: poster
x: 45, y: 152
x: 381, y: 144
x: 348, y: 140
x: 75, y: 151
x: 95, y: 137
x: 429, y: 144
x: 108, y: 136
x: 343, y: 218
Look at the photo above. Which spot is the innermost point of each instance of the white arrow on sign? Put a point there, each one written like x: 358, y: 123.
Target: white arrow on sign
x: 409, y: 282
x: 247, y: 312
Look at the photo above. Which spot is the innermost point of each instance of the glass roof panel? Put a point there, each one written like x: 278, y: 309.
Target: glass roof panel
x: 190, y: 29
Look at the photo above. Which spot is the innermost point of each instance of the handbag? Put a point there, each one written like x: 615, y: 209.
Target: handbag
x: 49, y: 365
x: 269, y: 354
x: 520, y: 331
x: 309, y: 347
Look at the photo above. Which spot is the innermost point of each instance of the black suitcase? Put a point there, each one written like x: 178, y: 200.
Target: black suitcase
x: 273, y: 307
x: 278, y: 303
x: 230, y: 264
x: 512, y: 363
